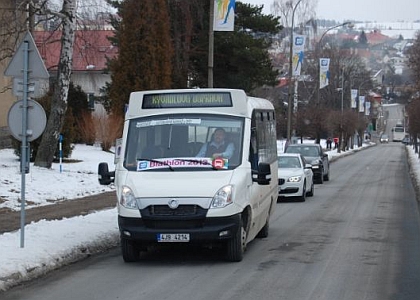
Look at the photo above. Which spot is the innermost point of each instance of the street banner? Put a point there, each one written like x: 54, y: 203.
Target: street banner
x: 224, y: 15
x: 324, y: 72
x: 361, y: 103
x: 298, y: 54
x: 353, y: 98
x: 367, y: 108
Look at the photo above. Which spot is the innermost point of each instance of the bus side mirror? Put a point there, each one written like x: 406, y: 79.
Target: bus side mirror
x: 263, y: 175
x: 104, y: 176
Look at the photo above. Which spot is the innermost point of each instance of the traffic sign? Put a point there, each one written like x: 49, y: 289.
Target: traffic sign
x: 36, y: 65
x: 36, y: 120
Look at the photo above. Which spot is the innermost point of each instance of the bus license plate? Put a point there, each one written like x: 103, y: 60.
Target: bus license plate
x: 173, y: 237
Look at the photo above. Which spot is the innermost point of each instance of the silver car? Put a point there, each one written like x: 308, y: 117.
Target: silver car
x: 384, y: 138
x: 296, y: 178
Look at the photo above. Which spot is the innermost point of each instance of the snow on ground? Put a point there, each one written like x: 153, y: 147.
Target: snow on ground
x: 46, y: 186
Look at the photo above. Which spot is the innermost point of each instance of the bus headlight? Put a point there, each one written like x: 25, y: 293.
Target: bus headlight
x: 127, y: 198
x: 223, y: 197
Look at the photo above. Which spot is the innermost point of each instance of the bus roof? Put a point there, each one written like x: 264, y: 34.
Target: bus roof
x: 211, y: 100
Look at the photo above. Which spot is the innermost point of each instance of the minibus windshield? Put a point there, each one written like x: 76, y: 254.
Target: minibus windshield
x: 184, y: 142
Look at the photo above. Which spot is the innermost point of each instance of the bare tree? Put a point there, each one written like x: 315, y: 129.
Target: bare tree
x: 47, y: 148
x: 13, y: 24
x: 304, y: 11
x: 413, y: 108
x: 414, y: 60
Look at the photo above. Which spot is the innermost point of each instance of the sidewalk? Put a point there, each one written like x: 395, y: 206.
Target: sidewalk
x: 10, y: 220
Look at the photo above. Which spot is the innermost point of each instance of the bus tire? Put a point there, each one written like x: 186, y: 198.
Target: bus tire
x: 129, y: 251
x: 237, y: 244
x: 263, y: 233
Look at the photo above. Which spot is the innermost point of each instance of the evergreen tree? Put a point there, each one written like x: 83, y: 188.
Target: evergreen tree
x: 145, y: 50
x: 186, y: 18
x: 363, y: 42
x: 241, y: 59
x: 79, y: 108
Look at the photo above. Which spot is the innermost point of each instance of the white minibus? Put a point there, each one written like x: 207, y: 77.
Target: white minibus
x: 195, y: 166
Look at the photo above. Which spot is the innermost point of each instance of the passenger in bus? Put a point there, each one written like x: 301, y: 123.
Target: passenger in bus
x: 218, y: 146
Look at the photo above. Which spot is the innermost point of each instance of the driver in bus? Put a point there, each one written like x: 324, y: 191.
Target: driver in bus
x: 218, y: 146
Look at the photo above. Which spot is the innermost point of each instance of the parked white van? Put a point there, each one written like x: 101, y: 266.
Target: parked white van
x: 194, y: 166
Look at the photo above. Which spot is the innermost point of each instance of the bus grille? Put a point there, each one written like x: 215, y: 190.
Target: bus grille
x: 182, y: 210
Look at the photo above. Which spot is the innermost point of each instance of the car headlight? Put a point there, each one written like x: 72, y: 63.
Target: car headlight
x: 223, y: 197
x: 294, y: 179
x: 127, y: 198
x: 316, y: 164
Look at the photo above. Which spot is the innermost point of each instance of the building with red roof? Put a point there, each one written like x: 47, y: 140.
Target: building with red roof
x: 92, y: 49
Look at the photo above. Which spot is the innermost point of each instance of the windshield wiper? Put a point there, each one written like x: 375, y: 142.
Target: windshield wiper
x: 157, y: 161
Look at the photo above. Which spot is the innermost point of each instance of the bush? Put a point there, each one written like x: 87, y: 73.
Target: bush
x: 86, y: 128
x: 108, y: 129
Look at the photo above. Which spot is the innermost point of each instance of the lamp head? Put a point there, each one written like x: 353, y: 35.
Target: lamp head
x: 350, y: 25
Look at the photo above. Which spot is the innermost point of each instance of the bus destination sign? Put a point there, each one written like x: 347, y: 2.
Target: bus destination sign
x: 187, y: 100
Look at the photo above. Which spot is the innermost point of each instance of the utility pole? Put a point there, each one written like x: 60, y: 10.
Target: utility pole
x: 290, y: 76
x: 211, y: 47
x: 340, y: 142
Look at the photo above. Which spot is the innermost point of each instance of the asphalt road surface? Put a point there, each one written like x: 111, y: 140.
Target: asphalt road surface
x: 357, y: 238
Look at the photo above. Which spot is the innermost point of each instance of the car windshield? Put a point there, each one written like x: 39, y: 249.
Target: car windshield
x: 308, y: 151
x: 175, y: 142
x: 289, y: 162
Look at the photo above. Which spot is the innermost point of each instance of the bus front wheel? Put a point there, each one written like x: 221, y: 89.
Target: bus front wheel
x: 129, y: 251
x: 237, y: 244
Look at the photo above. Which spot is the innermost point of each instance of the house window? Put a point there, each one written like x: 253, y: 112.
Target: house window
x: 91, y: 101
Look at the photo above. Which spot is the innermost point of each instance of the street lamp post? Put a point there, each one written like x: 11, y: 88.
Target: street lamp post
x: 358, y: 98
x: 289, y: 99
x: 340, y: 142
x: 318, y: 50
x: 358, y: 90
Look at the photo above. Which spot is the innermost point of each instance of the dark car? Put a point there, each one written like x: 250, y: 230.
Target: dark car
x: 315, y: 155
x: 406, y: 140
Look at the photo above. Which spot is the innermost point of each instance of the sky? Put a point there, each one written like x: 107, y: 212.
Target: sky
x: 51, y: 244
x: 360, y: 10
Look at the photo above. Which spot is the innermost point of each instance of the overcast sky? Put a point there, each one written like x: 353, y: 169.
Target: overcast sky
x: 360, y: 10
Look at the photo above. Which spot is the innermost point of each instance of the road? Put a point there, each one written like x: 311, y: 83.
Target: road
x: 357, y: 238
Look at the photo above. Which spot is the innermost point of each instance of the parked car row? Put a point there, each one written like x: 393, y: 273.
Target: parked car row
x: 407, y: 140
x: 384, y: 138
x: 299, y: 168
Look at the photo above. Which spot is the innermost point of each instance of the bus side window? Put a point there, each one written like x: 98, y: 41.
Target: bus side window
x: 253, y: 150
